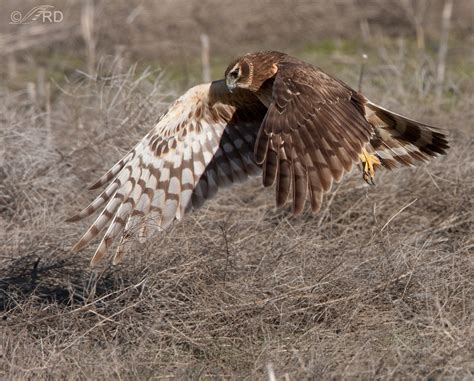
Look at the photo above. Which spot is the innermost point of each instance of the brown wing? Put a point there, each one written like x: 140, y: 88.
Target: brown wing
x: 204, y: 141
x: 312, y: 133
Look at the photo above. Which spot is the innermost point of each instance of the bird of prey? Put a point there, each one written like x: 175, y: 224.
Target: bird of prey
x: 273, y: 115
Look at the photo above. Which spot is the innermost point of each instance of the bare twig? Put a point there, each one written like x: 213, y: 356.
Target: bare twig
x: 361, y: 75
x: 205, y: 58
x: 35, y: 36
x: 396, y: 214
x: 87, y: 31
x: 443, y: 47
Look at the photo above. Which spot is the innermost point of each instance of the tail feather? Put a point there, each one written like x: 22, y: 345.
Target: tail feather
x: 402, y: 141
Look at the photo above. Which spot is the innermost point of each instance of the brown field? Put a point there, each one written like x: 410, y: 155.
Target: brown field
x: 378, y: 285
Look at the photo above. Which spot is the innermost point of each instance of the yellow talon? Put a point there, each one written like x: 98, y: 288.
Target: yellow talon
x: 369, y: 163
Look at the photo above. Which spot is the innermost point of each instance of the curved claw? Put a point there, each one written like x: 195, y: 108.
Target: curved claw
x: 369, y: 162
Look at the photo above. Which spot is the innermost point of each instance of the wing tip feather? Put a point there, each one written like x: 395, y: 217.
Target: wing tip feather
x: 99, y: 254
x: 73, y: 218
x: 95, y: 185
x: 79, y: 246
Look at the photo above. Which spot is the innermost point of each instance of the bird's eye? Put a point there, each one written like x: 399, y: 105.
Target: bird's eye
x: 234, y: 74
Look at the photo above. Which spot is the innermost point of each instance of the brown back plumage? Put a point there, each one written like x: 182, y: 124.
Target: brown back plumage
x: 301, y: 126
x: 312, y: 134
x: 316, y: 127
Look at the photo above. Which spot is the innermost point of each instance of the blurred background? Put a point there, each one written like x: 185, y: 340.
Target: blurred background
x: 171, y: 34
x: 377, y: 285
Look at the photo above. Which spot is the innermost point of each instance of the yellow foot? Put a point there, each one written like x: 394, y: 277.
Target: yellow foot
x: 369, y: 163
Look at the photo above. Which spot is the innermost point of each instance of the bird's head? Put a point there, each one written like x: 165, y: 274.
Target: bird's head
x: 239, y: 74
x: 242, y: 73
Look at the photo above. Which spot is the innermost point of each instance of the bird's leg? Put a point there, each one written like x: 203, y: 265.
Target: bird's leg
x: 369, y: 162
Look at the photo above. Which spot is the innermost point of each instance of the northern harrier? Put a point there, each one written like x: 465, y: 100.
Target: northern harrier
x: 272, y: 115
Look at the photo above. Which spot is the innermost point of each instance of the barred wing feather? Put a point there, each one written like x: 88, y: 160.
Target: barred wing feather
x: 205, y: 141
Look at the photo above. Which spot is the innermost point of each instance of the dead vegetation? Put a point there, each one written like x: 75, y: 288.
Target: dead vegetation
x: 378, y: 285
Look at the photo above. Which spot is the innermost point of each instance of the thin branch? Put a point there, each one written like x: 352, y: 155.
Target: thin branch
x: 396, y: 214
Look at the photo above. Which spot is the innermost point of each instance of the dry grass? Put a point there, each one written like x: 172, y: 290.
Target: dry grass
x: 378, y: 285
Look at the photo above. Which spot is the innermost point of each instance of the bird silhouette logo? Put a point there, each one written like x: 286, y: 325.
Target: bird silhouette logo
x: 42, y: 12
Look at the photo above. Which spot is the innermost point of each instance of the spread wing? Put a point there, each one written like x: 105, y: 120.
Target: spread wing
x: 312, y: 133
x: 204, y: 141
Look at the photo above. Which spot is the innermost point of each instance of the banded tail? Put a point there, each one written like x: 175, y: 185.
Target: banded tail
x: 399, y: 141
